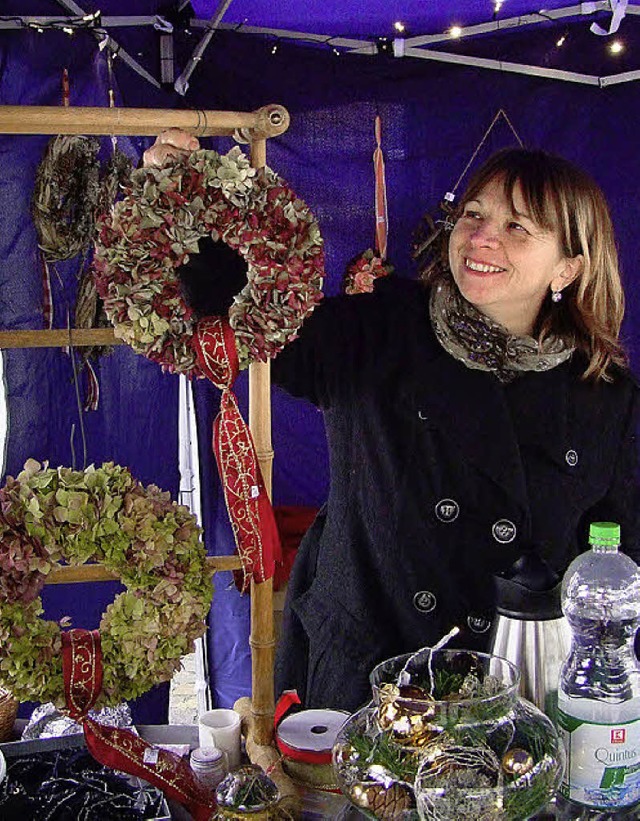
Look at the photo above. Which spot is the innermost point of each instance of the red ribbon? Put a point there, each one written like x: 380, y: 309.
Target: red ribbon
x: 123, y: 750
x: 287, y: 700
x: 382, y: 217
x: 118, y: 747
x: 81, y: 670
x: 252, y: 520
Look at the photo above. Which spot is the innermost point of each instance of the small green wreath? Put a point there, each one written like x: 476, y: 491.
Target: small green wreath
x: 66, y: 194
x: 98, y: 515
x: 154, y: 229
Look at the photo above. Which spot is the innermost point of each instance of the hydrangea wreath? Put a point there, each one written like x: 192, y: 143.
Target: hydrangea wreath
x: 154, y: 229
x: 98, y: 515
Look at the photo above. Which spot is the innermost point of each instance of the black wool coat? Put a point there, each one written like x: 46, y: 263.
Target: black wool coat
x: 441, y: 476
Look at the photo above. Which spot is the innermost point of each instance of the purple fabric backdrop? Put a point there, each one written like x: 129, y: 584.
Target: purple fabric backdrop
x: 433, y: 118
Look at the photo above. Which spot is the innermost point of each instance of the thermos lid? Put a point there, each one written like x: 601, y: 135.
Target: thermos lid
x: 529, y: 590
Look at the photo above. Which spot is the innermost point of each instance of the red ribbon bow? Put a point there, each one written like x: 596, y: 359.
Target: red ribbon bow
x: 252, y: 520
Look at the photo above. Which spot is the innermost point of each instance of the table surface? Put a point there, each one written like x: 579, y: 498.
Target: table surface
x: 316, y: 804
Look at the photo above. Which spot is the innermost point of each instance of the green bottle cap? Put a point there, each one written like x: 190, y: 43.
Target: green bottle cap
x: 606, y: 534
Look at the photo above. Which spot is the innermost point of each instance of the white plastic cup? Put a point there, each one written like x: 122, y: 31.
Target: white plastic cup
x: 221, y: 728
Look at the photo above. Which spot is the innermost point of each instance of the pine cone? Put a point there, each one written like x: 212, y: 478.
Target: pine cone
x: 386, y: 803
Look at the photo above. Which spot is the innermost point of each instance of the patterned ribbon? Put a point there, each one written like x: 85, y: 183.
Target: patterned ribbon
x: 117, y: 747
x: 81, y: 670
x: 382, y: 217
x: 252, y: 520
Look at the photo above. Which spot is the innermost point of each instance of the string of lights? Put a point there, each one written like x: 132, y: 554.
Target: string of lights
x: 69, y: 25
x: 94, y: 23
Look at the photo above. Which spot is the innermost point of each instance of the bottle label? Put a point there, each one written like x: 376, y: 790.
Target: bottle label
x: 603, y: 759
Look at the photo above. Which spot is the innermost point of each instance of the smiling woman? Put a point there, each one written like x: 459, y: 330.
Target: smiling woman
x: 504, y: 262
x: 529, y: 226
x: 466, y: 398
x: 460, y: 425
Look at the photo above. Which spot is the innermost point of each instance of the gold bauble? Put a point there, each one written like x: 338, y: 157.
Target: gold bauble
x: 413, y: 693
x: 517, y: 762
x: 345, y: 753
x: 407, y: 721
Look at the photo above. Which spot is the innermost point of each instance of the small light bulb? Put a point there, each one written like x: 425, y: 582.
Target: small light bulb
x: 67, y: 30
x: 497, y: 5
x: 336, y: 51
x: 399, y: 26
x: 455, y: 31
x: 616, y: 47
x: 560, y: 42
x: 274, y: 49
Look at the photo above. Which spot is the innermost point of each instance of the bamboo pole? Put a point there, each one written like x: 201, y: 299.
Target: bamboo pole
x: 262, y: 638
x: 268, y: 121
x: 74, y: 337
x: 75, y: 574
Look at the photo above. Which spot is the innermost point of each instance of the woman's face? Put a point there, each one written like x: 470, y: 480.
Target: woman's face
x: 503, y: 262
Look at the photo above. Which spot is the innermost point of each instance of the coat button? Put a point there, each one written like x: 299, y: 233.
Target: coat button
x: 571, y: 458
x: 478, y: 624
x: 504, y: 531
x: 447, y: 510
x: 424, y: 601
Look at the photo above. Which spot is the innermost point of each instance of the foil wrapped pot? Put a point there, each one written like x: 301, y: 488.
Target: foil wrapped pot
x: 447, y: 738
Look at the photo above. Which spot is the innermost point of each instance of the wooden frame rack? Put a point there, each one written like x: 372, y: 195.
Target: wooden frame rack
x: 255, y: 128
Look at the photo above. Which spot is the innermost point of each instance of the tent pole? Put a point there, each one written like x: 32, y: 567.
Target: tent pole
x: 262, y: 638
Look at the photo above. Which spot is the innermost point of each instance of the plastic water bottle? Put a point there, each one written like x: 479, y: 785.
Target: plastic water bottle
x: 599, y: 688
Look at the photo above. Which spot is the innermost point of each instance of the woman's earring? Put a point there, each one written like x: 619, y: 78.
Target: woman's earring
x: 556, y: 296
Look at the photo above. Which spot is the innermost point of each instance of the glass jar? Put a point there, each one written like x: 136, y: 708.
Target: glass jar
x: 209, y: 765
x: 447, y: 738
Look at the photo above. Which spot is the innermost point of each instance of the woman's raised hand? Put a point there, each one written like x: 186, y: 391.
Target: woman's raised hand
x: 170, y: 143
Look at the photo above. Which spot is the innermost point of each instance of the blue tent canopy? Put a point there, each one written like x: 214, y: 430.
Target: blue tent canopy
x: 436, y: 98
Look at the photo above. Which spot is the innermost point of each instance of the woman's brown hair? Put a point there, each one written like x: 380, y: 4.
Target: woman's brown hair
x: 560, y: 197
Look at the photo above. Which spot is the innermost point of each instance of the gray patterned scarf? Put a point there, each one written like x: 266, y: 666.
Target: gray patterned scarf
x: 482, y: 344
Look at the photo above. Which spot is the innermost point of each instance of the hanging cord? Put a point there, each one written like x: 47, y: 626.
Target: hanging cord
x: 76, y: 385
x: 501, y: 113
x: 427, y: 236
x: 111, y: 95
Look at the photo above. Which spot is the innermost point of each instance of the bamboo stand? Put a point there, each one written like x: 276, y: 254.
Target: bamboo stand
x: 256, y: 127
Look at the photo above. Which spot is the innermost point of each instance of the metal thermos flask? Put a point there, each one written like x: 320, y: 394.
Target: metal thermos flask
x: 530, y: 630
